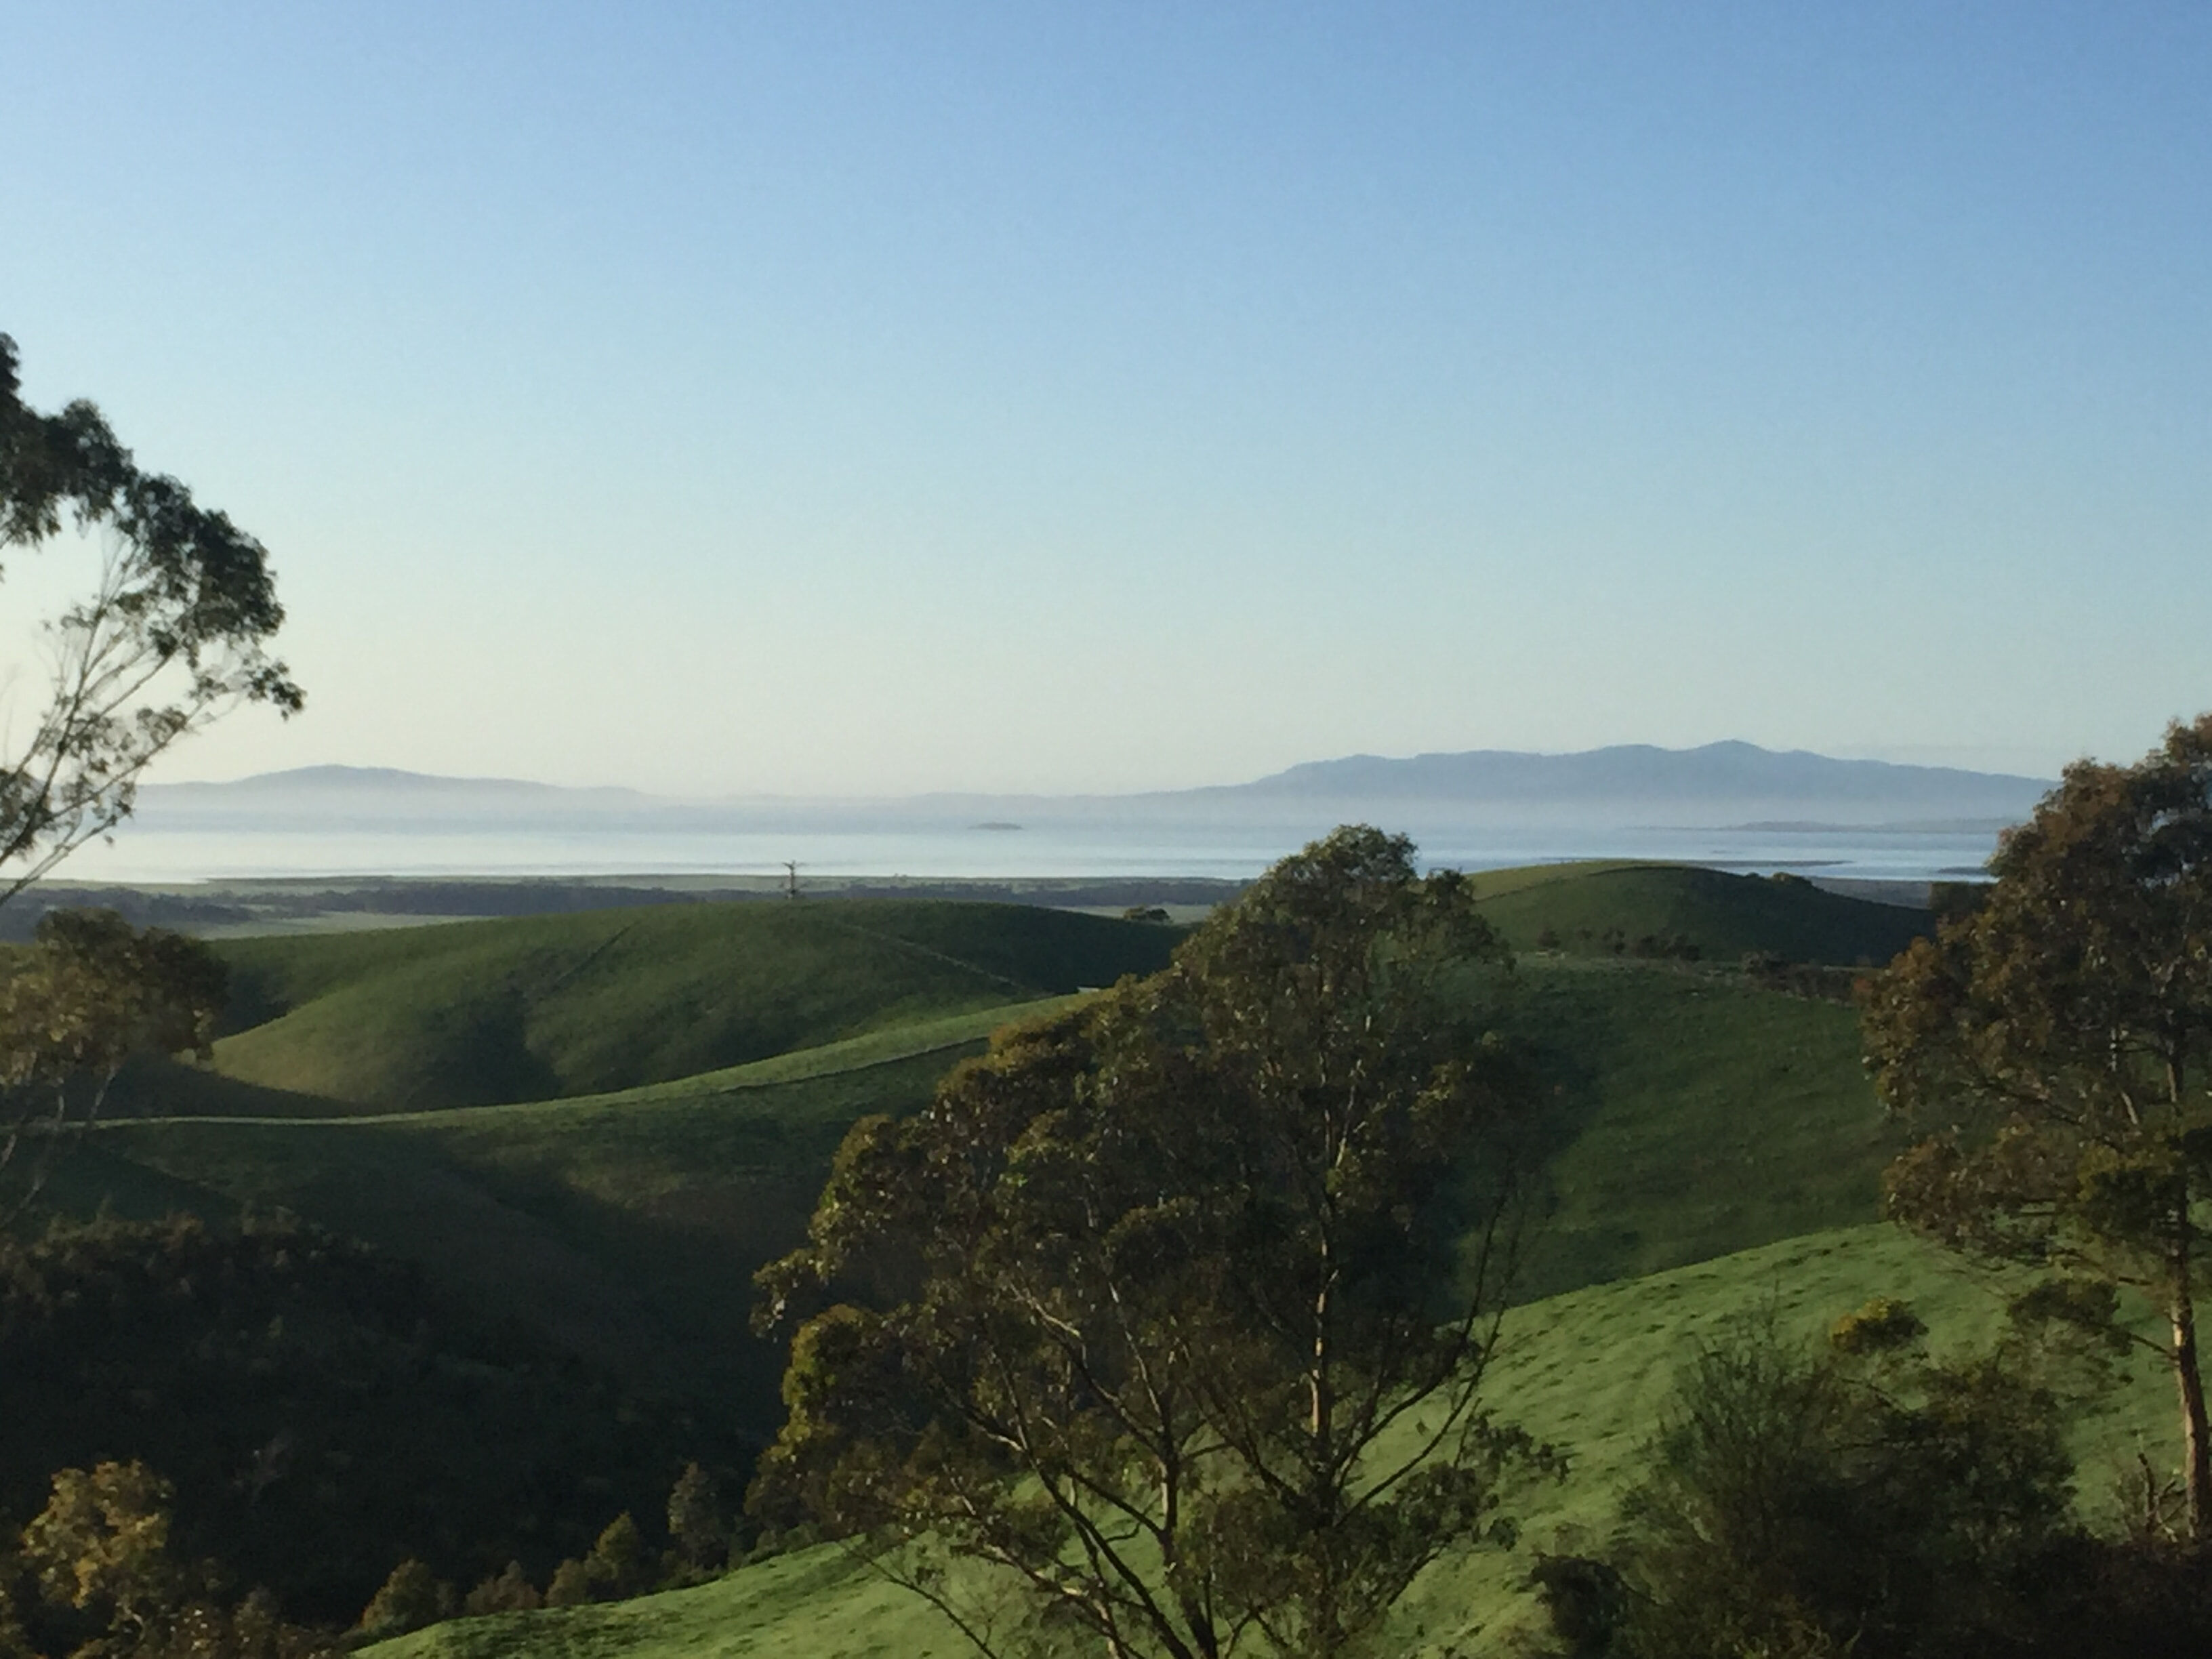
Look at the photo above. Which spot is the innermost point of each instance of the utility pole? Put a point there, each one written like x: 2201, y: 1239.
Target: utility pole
x: 790, y: 878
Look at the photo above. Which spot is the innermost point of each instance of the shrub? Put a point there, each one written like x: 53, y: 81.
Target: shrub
x: 619, y: 1565
x: 411, y: 1598
x: 699, y: 1538
x: 571, y: 1585
x: 510, y: 1591
x: 1863, y: 1500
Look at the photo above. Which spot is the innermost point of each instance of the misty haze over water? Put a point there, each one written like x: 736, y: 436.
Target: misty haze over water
x: 151, y: 855
x: 1730, y: 805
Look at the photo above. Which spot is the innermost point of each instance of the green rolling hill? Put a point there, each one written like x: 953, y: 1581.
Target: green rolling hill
x: 1586, y: 1372
x: 599, y: 1124
x: 545, y: 1007
x: 1578, y: 908
x: 1701, y: 1115
x: 624, y: 1227
x: 1698, y: 1114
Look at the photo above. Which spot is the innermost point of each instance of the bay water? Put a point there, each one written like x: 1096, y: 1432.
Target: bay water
x: 150, y: 855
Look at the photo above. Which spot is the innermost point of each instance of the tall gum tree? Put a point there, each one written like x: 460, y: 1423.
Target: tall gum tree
x: 1166, y: 1323
x: 2058, y: 1041
x: 173, y: 633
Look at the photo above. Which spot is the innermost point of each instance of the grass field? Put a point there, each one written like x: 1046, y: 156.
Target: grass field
x: 1707, y: 1116
x: 1702, y: 1116
x: 543, y: 1007
x: 1587, y: 1371
x: 625, y: 1226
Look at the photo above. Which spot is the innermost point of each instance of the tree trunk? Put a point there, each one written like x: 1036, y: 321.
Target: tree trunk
x: 2189, y: 1380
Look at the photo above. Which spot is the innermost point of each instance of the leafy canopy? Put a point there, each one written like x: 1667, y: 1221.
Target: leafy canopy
x: 2059, y: 1040
x: 173, y: 633
x: 92, y: 993
x: 1163, y: 1326
x: 1864, y: 1498
x: 104, y: 1583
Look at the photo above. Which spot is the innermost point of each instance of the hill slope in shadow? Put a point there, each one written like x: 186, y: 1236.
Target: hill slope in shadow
x: 545, y: 1007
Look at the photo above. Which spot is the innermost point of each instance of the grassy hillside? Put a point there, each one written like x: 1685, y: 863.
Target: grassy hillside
x: 623, y: 1227
x: 695, y: 1067
x: 1584, y: 907
x: 1706, y: 1115
x: 1586, y: 1372
x: 545, y: 1007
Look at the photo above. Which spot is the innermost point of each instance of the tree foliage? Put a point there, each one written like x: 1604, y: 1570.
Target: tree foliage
x: 1164, y: 1325
x: 620, y: 1566
x: 2057, y: 1038
x: 98, y: 1579
x: 411, y: 1598
x: 323, y: 1411
x: 102, y: 1542
x: 570, y: 1585
x: 698, y: 1538
x: 508, y: 1591
x: 1861, y: 1498
x: 92, y: 994
x: 173, y: 633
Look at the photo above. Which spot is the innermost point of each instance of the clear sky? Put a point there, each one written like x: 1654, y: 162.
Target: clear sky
x: 816, y: 398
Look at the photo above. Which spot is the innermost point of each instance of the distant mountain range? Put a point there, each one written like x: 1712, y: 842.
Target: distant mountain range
x: 369, y: 785
x: 1721, y: 785
x: 1737, y: 776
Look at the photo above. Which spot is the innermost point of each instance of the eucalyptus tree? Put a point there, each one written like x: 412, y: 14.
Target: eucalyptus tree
x: 172, y: 634
x: 92, y: 994
x: 2057, y: 1040
x: 1164, y: 1328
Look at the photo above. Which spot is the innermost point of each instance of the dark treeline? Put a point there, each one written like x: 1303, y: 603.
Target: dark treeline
x: 322, y: 1415
x: 243, y: 907
x: 19, y: 920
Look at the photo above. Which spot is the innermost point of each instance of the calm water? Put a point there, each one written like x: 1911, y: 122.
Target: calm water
x: 142, y: 854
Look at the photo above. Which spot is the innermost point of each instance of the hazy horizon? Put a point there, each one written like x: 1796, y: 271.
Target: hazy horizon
x: 181, y: 767
x: 1731, y: 805
x: 353, y: 772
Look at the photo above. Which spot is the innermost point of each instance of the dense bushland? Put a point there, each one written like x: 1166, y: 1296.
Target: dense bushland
x: 322, y: 1413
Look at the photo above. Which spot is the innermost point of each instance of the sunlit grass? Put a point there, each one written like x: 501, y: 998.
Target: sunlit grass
x: 1587, y: 1371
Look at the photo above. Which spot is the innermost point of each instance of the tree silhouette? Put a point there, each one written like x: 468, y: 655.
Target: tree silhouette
x: 172, y: 635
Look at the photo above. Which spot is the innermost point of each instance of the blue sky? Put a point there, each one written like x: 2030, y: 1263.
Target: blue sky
x: 838, y: 398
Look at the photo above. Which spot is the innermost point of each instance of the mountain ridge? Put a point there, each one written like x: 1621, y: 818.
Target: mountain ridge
x: 1731, y: 764
x: 1731, y: 769
x: 341, y: 779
